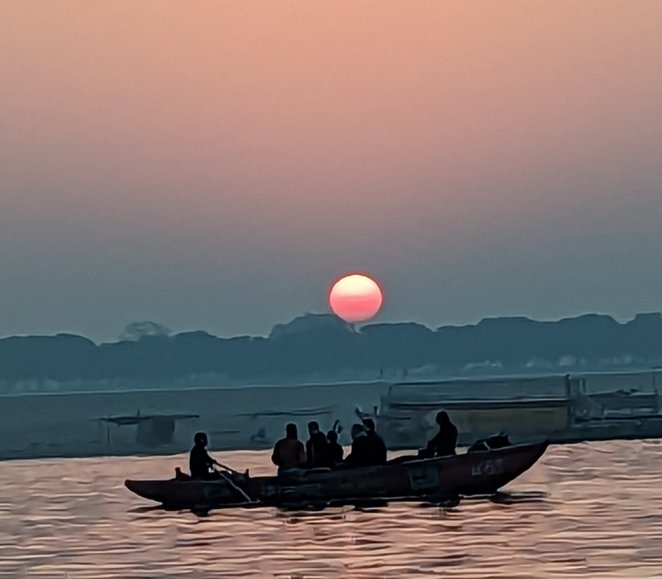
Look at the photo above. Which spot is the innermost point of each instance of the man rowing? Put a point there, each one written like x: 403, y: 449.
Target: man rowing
x: 201, y: 465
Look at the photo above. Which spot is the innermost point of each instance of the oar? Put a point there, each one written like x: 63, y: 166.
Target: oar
x: 232, y: 484
x: 236, y: 487
x: 230, y: 469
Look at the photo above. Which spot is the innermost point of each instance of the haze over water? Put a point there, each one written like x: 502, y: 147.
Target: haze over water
x: 586, y: 510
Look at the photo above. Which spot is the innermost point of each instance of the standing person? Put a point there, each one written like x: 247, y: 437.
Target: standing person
x: 315, y: 446
x: 289, y: 452
x: 444, y: 442
x: 334, y: 450
x: 376, y: 447
x: 200, y: 463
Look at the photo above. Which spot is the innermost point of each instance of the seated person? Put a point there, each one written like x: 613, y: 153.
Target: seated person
x: 368, y: 448
x: 200, y: 463
x: 315, y: 446
x: 376, y: 447
x: 334, y: 451
x: 444, y: 442
x: 289, y: 452
x: 359, y: 453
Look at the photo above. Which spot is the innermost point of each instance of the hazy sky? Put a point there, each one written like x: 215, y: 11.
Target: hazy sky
x: 215, y: 165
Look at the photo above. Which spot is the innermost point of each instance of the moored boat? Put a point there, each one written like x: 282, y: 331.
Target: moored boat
x: 406, y: 478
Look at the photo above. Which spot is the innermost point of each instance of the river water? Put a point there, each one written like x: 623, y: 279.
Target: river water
x: 586, y: 510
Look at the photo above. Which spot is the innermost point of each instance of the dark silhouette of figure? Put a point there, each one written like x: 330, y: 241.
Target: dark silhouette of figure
x: 359, y: 453
x: 376, y: 447
x: 315, y: 446
x: 368, y: 448
x: 200, y: 463
x: 444, y: 442
x: 289, y: 451
x: 334, y: 451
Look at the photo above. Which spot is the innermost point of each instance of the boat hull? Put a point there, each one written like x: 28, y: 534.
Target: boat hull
x: 474, y: 473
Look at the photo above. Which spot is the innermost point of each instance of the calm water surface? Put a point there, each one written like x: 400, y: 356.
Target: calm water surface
x: 588, y: 510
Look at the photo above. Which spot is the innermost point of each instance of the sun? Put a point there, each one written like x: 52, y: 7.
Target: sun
x: 355, y: 298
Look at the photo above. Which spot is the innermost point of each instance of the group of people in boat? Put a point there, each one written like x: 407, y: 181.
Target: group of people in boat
x: 320, y: 451
x: 324, y: 451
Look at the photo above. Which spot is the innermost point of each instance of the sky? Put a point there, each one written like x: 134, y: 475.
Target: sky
x: 217, y: 165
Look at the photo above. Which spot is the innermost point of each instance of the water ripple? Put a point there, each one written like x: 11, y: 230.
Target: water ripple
x: 586, y: 510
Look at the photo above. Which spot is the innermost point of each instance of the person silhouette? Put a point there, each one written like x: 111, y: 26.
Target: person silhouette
x: 315, y: 446
x: 444, y: 442
x: 334, y: 451
x: 200, y: 463
x: 289, y: 452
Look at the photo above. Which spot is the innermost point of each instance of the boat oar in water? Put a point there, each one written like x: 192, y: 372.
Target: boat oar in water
x: 234, y: 486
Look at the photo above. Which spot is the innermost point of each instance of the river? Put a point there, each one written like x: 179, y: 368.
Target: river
x: 585, y: 510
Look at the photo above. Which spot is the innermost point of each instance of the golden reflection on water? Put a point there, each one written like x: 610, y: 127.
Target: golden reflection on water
x: 586, y: 510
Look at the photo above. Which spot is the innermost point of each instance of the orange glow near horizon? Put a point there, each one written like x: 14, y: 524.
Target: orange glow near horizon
x: 355, y: 298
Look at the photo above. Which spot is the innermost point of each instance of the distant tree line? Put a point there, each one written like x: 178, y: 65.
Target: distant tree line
x: 317, y: 346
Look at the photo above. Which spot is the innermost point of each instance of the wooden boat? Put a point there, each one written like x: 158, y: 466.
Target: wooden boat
x: 405, y: 478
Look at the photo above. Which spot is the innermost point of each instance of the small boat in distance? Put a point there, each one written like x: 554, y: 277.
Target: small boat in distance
x: 481, y: 472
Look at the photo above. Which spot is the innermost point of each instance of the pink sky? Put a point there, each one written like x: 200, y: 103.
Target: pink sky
x: 216, y: 164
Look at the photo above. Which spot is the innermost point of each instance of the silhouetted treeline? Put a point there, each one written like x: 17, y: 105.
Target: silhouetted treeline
x: 321, y: 347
